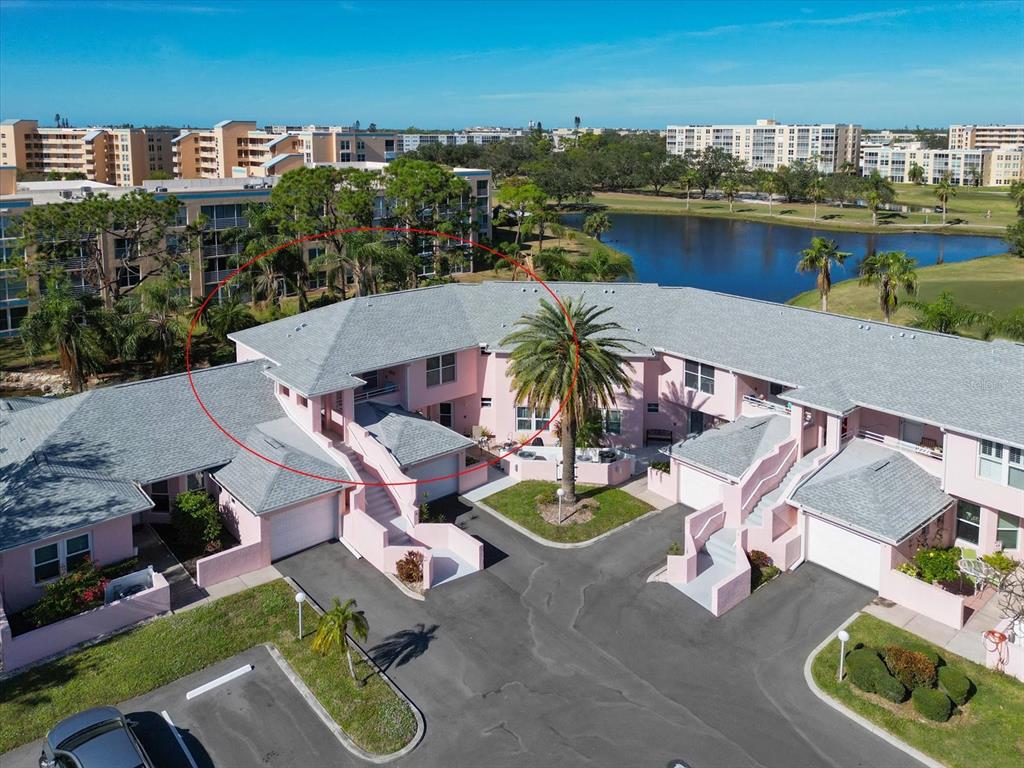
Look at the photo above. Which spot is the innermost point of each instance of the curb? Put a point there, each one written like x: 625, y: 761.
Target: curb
x: 558, y: 544
x: 329, y: 721
x: 861, y: 721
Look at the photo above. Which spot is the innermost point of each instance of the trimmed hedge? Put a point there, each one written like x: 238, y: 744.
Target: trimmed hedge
x: 956, y: 684
x: 868, y: 672
x: 912, y: 668
x: 933, y: 704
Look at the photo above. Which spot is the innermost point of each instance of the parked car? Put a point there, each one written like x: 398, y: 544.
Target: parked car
x: 98, y: 738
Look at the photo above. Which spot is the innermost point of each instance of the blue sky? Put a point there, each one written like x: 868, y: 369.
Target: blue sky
x: 452, y: 64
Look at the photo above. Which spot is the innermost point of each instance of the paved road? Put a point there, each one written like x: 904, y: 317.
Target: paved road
x: 567, y: 657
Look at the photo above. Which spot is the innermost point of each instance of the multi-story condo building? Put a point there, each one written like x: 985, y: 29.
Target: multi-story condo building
x: 985, y: 136
x: 121, y: 156
x: 410, y: 142
x: 965, y: 167
x: 808, y: 436
x: 221, y: 203
x: 769, y: 145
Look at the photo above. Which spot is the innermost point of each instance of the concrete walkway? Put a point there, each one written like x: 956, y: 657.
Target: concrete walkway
x: 638, y: 487
x: 967, y: 642
x: 496, y: 481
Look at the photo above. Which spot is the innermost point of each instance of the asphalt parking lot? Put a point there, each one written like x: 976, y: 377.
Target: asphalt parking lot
x: 256, y: 719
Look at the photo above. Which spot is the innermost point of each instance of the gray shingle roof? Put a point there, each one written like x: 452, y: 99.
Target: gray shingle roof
x: 409, y: 437
x: 264, y: 487
x: 875, y: 490
x: 21, y: 403
x: 106, y: 439
x: 730, y: 449
x: 834, y: 363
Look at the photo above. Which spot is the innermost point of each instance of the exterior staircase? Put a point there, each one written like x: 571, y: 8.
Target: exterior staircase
x: 379, y: 504
x: 715, y: 561
x: 756, y: 517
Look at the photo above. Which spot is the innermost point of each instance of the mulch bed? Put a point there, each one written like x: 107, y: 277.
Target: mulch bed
x: 186, y: 552
x: 582, y: 512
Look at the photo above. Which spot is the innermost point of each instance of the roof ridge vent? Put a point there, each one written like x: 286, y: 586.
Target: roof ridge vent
x: 878, y: 465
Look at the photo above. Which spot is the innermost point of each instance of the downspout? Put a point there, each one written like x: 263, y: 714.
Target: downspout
x: 803, y: 540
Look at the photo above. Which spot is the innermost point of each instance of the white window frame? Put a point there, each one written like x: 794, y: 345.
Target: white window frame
x: 537, y: 419
x: 699, y: 376
x: 62, y: 556
x: 606, y: 421
x: 998, y: 463
x: 1004, y: 525
x: 967, y: 522
x: 446, y: 371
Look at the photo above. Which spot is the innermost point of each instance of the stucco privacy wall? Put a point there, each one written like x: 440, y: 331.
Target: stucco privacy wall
x: 111, y: 543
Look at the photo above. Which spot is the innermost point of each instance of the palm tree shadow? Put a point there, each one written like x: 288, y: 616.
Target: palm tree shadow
x: 402, y: 647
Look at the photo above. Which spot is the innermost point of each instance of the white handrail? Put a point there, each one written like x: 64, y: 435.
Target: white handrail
x: 935, y: 453
x: 771, y: 406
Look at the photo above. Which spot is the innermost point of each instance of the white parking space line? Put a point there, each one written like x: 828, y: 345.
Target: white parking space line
x: 219, y: 681
x: 181, y: 741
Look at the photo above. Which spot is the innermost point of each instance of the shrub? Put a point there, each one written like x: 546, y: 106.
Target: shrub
x: 759, y: 559
x: 955, y: 684
x: 674, y: 548
x: 933, y: 704
x: 938, y: 564
x: 196, y: 518
x: 759, y: 576
x: 1001, y: 562
x: 77, y: 591
x: 888, y: 687
x: 910, y: 569
x: 661, y: 466
x: 867, y: 671
x: 410, y: 567
x: 913, y: 669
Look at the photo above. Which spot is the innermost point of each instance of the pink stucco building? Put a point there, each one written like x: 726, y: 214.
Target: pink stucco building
x: 808, y: 436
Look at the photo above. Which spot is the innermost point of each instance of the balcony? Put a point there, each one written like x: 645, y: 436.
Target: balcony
x: 388, y: 388
x: 927, y: 448
x: 769, y: 405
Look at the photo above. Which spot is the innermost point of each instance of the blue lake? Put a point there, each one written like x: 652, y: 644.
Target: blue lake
x: 759, y: 260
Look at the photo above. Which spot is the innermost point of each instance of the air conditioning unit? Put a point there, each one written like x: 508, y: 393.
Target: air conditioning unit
x: 67, y: 194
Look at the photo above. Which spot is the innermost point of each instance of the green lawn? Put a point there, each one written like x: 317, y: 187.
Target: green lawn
x: 155, y: 654
x: 970, y: 204
x: 988, y: 732
x: 989, y: 284
x: 518, y: 503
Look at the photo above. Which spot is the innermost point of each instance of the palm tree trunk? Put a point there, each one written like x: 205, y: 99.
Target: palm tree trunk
x: 687, y: 197
x: 568, y: 460
x: 815, y: 210
x: 351, y: 668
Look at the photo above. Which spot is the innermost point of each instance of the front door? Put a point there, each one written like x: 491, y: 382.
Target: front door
x: 911, y: 431
x: 696, y: 424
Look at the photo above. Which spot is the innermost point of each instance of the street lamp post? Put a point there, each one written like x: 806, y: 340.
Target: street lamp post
x: 560, y: 493
x: 300, y: 598
x: 844, y: 638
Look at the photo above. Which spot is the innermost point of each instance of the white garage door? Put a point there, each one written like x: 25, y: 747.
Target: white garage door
x: 446, y: 465
x: 698, y: 490
x: 303, y: 527
x: 843, y: 551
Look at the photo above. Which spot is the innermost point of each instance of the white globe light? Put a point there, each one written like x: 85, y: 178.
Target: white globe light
x: 843, y: 635
x: 300, y: 597
x: 560, y: 492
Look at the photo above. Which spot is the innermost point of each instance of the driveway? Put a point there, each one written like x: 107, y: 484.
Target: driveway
x: 257, y: 719
x: 568, y: 657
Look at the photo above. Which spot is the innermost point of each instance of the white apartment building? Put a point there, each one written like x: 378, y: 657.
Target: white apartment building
x: 769, y: 145
x: 985, y: 136
x: 410, y: 142
x: 964, y: 167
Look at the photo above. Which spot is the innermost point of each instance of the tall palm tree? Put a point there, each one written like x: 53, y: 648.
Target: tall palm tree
x: 915, y: 174
x: 944, y: 314
x: 69, y: 323
x: 820, y: 258
x: 943, y: 191
x: 1017, y: 195
x: 816, y: 190
x: 227, y: 317
x: 334, y: 627
x: 601, y: 266
x: 556, y: 264
x: 160, y: 311
x: 596, y: 224
x: 689, y: 180
x: 545, y: 358
x: 890, y: 271
x: 877, y: 191
x: 768, y: 183
x: 730, y: 187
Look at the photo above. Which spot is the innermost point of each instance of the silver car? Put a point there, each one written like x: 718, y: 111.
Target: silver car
x: 97, y: 738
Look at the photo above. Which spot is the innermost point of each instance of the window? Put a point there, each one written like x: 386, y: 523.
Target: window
x: 485, y: 402
x: 160, y: 493
x: 303, y: 402
x: 1001, y: 464
x: 529, y: 420
x: 444, y: 414
x: 46, y: 563
x: 612, y: 422
x: 440, y: 369
x: 700, y: 376
x: 652, y: 407
x: 968, y: 521
x: 1007, y: 530
x: 283, y: 390
x: 194, y: 482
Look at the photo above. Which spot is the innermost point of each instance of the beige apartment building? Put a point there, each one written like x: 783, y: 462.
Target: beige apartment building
x: 769, y: 145
x: 964, y: 167
x: 120, y: 156
x: 985, y: 136
x: 238, y: 149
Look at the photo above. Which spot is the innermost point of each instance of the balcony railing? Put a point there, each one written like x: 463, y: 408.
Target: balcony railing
x: 369, y: 394
x: 768, y: 404
x: 894, y: 442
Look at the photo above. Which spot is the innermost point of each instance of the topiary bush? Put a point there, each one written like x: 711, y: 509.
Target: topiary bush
x: 867, y: 671
x: 955, y: 684
x: 933, y: 704
x: 759, y: 559
x: 912, y: 668
x: 196, y: 518
x: 410, y: 568
x: 888, y: 687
